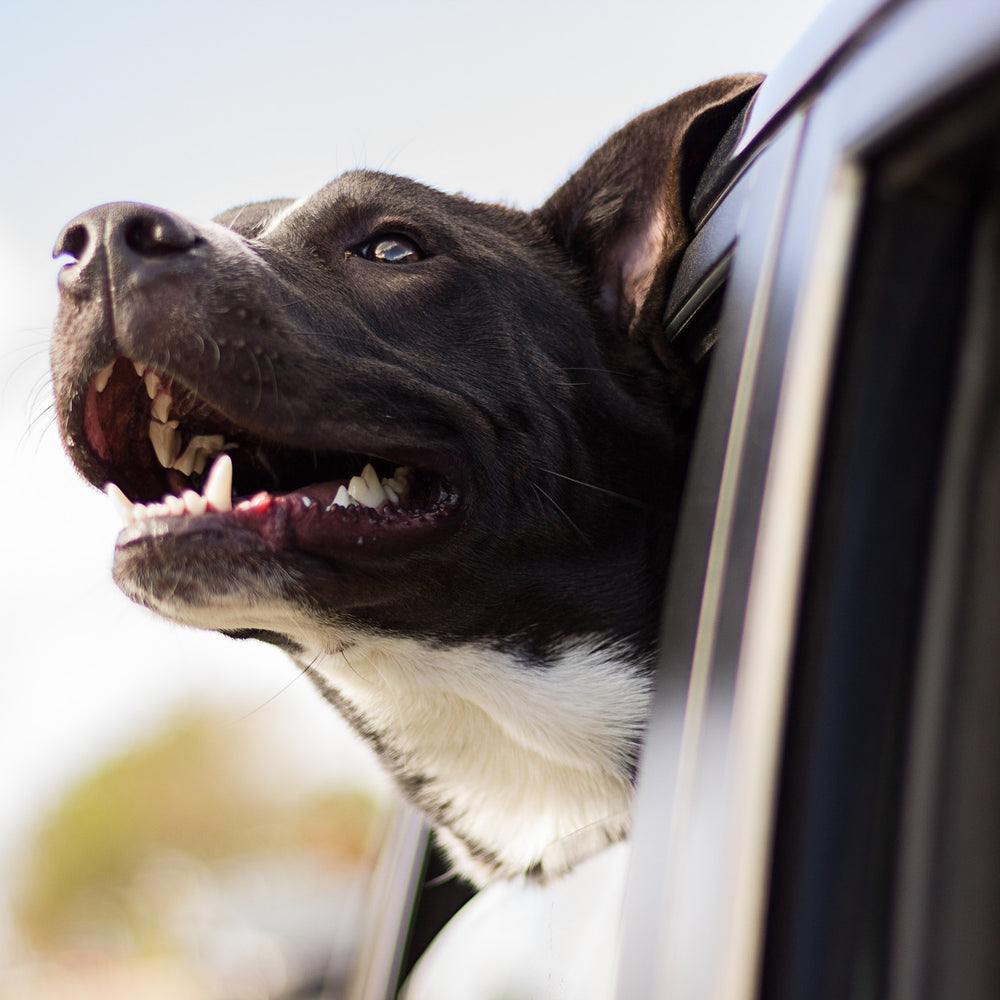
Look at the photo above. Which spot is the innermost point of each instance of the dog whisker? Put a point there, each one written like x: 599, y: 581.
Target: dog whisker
x: 41, y: 389
x: 620, y: 820
x: 601, y: 371
x: 33, y: 352
x: 632, y: 501
x: 274, y: 375
x: 259, y: 389
x: 589, y: 542
x: 49, y: 413
x: 300, y: 673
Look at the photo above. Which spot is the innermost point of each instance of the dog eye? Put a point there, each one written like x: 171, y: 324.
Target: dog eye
x: 391, y: 250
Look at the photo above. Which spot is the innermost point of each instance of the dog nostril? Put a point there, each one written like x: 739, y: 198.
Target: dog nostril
x: 73, y: 242
x: 153, y: 236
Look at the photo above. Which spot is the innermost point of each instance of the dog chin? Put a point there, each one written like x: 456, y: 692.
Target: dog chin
x: 186, y: 578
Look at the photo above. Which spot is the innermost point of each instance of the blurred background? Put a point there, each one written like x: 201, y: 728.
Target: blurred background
x: 181, y: 816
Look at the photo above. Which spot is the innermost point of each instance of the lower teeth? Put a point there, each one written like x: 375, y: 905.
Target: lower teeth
x: 366, y: 490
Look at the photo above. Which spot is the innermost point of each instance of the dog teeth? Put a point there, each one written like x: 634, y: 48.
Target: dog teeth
x: 185, y: 463
x: 160, y: 407
x: 140, y: 368
x: 197, y: 453
x: 367, y: 489
x: 216, y: 496
x: 398, y: 484
x: 152, y: 382
x: 103, y: 377
x: 344, y: 499
x: 165, y: 440
x: 195, y: 503
x: 218, y: 488
x: 121, y: 503
x: 174, y: 504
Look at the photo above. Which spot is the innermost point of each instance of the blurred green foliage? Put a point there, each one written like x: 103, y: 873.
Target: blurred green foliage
x: 193, y: 789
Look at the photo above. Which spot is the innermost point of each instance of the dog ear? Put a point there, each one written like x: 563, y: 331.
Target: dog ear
x: 623, y: 216
x: 252, y: 219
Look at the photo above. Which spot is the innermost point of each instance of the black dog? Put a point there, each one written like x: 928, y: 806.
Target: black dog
x: 432, y: 448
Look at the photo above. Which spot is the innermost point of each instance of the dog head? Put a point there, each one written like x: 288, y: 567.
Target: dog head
x: 495, y: 356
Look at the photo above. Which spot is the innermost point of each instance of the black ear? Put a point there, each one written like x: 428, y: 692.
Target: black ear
x: 623, y: 216
x: 252, y: 219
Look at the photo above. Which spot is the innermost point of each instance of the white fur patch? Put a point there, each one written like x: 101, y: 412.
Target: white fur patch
x: 532, y: 762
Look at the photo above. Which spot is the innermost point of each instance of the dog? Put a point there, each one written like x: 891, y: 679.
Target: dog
x: 432, y: 448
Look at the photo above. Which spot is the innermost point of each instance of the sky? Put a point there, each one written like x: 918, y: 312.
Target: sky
x: 198, y: 105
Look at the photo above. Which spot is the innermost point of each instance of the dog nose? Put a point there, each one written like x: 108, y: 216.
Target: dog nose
x: 123, y: 236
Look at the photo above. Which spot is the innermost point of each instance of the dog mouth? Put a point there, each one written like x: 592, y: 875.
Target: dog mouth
x: 171, y: 463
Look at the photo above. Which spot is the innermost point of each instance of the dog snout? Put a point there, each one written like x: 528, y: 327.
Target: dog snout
x: 119, y: 239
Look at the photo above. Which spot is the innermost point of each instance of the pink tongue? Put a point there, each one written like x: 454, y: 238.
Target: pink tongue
x: 92, y: 426
x: 321, y: 492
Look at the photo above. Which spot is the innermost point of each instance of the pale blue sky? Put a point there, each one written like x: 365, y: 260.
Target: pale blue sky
x: 197, y: 105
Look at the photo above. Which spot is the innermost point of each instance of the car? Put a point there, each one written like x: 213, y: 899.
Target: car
x: 818, y: 806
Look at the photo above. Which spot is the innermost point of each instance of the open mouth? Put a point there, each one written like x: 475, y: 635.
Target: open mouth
x: 168, y: 457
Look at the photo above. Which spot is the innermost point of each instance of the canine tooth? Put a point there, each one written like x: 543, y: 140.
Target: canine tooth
x: 218, y: 488
x: 174, y: 504
x: 152, y: 381
x: 140, y: 368
x: 165, y: 441
x: 161, y: 406
x: 103, y: 377
x: 344, y: 499
x: 121, y: 503
x: 194, y: 503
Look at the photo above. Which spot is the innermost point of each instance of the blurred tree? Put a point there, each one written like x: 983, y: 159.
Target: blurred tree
x: 192, y: 789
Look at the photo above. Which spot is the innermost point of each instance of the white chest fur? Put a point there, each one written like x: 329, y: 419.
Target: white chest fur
x: 529, y: 765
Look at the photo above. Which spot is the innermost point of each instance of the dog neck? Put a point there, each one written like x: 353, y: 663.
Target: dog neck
x: 518, y: 764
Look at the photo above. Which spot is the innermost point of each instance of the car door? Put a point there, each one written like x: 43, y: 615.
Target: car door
x: 818, y: 811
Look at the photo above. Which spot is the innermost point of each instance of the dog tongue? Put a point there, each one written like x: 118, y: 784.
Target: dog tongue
x: 321, y: 493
